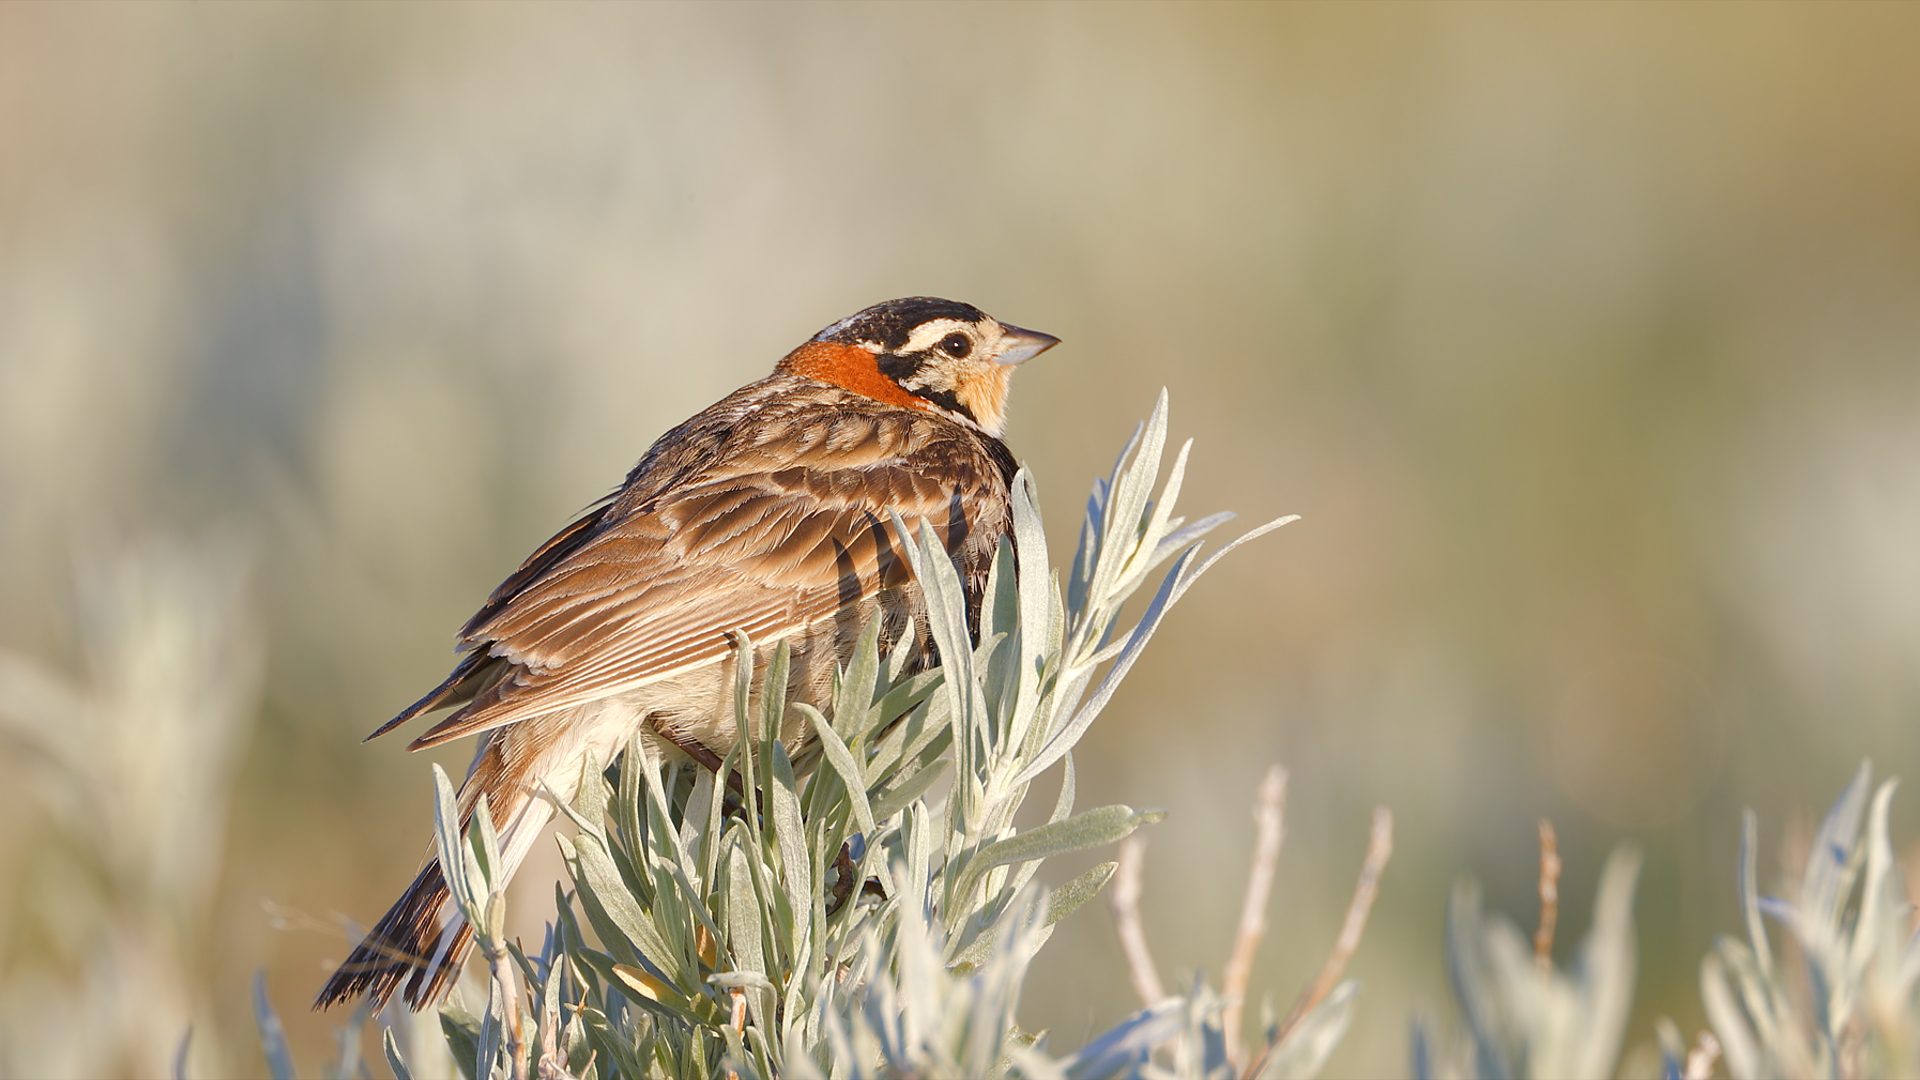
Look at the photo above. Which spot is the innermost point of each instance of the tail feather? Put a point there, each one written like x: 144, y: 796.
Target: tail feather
x: 404, y: 947
x: 422, y: 940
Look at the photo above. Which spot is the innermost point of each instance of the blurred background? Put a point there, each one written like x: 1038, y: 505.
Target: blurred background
x: 1583, y: 337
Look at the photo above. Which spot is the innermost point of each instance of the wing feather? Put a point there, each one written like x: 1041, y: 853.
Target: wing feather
x: 768, y: 550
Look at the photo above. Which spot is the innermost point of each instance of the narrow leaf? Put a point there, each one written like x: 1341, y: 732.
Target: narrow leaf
x: 1103, y: 825
x: 273, y: 1034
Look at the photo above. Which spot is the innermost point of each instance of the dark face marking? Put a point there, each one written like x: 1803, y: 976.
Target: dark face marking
x: 947, y: 400
x: 889, y: 324
x: 900, y: 367
x: 944, y: 374
x: 903, y: 368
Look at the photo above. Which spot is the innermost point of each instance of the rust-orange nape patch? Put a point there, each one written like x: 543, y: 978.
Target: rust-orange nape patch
x: 850, y: 367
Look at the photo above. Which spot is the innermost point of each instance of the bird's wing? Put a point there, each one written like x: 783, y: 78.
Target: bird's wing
x: 478, y: 671
x: 766, y: 551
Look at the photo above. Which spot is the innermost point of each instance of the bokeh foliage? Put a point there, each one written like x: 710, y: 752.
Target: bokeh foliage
x: 1582, y: 336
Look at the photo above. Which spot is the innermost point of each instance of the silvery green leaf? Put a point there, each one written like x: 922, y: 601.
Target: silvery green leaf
x: 454, y: 866
x: 1673, y: 1049
x: 998, y: 601
x: 549, y: 1028
x: 1029, y: 1063
x: 1132, y: 486
x: 946, y: 605
x: 623, y: 1055
x: 1063, y: 800
x: 1080, y: 573
x: 181, y: 1050
x: 1473, y: 984
x: 1737, y: 1040
x: 484, y: 844
x: 1038, y: 629
x: 1307, y: 1047
x: 1070, y: 733
x: 1186, y: 534
x: 462, y: 1031
x: 841, y: 760
x: 1255, y: 533
x: 1750, y: 893
x: 1422, y: 1051
x: 1159, y: 521
x: 602, y: 888
x: 1092, y: 828
x: 743, y: 980
x: 1062, y: 807
x: 738, y: 1061
x: 900, y: 658
x: 917, y: 832
x: 908, y: 789
x: 1767, y: 1010
x: 627, y: 799
x: 714, y: 833
x: 1122, y: 1050
x: 681, y: 865
x: 790, y: 836
x: 853, y: 697
x: 693, y: 823
x: 273, y: 1034
x: 1000, y: 655
x: 740, y: 757
x: 1879, y: 894
x: 922, y: 735
x: 488, y: 1047
x: 1068, y: 898
x: 744, y: 905
x: 1832, y: 861
x: 590, y: 801
x: 907, y: 695
x: 1607, y: 971
x: 773, y: 695
x: 1061, y: 903
x: 395, y: 1061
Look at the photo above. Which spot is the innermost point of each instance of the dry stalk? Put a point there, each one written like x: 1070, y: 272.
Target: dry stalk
x: 1124, y: 901
x: 1701, y: 1061
x: 500, y: 967
x: 1269, y: 828
x: 1912, y: 863
x: 551, y: 1066
x: 1549, y: 896
x: 1379, y: 850
x: 738, y: 1020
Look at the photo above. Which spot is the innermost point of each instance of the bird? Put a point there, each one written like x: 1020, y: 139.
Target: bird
x: 768, y: 514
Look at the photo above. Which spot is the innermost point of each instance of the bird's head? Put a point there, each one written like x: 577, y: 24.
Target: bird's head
x: 925, y: 353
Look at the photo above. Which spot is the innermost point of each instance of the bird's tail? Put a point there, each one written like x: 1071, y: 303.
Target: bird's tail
x: 403, y: 947
x: 422, y: 940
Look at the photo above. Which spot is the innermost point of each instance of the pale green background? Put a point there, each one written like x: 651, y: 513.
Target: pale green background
x: 1583, y: 337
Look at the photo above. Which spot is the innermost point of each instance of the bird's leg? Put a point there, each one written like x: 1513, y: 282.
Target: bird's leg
x: 843, y: 878
x: 694, y: 749
x: 843, y: 871
x: 690, y: 747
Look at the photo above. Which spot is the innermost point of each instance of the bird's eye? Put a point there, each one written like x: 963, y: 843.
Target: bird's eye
x: 956, y: 345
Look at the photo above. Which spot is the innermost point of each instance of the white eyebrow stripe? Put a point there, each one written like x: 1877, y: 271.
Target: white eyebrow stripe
x: 927, y: 333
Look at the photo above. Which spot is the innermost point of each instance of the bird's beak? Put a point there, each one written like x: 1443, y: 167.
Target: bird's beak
x: 1017, y: 346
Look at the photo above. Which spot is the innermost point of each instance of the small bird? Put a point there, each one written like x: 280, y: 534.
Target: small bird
x: 769, y: 513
